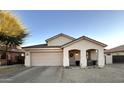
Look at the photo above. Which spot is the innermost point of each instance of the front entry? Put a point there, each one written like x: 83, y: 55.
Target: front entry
x: 74, y: 57
x: 92, y: 57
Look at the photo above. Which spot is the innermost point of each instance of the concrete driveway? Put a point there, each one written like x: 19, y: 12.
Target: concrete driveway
x: 109, y: 74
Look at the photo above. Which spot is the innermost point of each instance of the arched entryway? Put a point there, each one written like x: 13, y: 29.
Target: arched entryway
x: 92, y: 57
x: 74, y: 57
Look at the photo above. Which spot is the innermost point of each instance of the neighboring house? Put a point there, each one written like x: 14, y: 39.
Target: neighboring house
x: 12, y: 56
x: 64, y: 50
x: 115, y: 55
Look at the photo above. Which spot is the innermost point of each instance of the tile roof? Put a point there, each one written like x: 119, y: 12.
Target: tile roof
x: 86, y: 38
x: 61, y: 34
x: 41, y: 46
x: 115, y: 49
x: 73, y: 41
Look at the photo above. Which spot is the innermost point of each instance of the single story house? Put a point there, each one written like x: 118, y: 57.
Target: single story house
x: 64, y: 50
x: 115, y: 55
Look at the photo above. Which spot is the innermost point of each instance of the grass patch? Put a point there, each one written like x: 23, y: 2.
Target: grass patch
x: 7, y: 70
x: 13, y: 69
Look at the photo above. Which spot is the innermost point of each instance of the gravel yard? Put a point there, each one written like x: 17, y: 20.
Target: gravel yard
x: 109, y: 74
x: 11, y: 70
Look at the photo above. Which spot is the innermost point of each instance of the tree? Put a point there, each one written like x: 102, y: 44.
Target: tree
x: 12, y: 31
x: 10, y: 25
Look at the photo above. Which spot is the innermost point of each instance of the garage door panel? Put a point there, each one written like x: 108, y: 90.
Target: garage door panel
x: 46, y: 59
x: 118, y: 59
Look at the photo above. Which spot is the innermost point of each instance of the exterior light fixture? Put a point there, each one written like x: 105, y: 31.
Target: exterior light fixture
x: 76, y: 54
x: 22, y: 55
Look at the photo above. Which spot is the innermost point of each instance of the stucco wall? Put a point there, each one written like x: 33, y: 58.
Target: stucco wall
x: 118, y: 53
x: 84, y: 45
x: 44, y: 57
x: 27, y: 59
x: 93, y: 55
x: 109, y: 57
x: 59, y: 41
x: 62, y: 58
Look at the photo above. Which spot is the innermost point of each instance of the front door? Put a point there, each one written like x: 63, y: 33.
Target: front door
x: 74, y: 58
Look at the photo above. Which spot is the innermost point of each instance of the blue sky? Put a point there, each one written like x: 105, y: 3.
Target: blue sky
x: 104, y: 26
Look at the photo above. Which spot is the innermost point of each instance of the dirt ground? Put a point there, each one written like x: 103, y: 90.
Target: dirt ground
x: 109, y: 74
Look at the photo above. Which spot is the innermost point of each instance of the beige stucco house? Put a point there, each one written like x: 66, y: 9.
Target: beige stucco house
x: 115, y: 55
x: 64, y: 50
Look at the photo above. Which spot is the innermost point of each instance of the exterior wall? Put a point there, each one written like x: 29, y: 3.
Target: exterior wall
x: 58, y: 41
x: 93, y: 55
x: 74, y: 58
x: 58, y: 57
x: 44, y: 57
x: 27, y: 59
x: 109, y: 57
x: 118, y: 53
x: 77, y: 57
x: 101, y: 58
x: 83, y: 46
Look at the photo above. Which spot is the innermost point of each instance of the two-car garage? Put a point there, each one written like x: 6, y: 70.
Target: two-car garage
x: 118, y: 58
x: 43, y: 57
x: 46, y: 58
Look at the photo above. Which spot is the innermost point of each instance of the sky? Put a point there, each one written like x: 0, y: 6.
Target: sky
x: 104, y: 26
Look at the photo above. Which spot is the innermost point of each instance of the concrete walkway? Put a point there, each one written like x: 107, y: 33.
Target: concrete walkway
x: 109, y: 74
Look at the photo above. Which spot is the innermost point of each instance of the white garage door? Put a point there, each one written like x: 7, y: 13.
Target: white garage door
x: 46, y: 59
